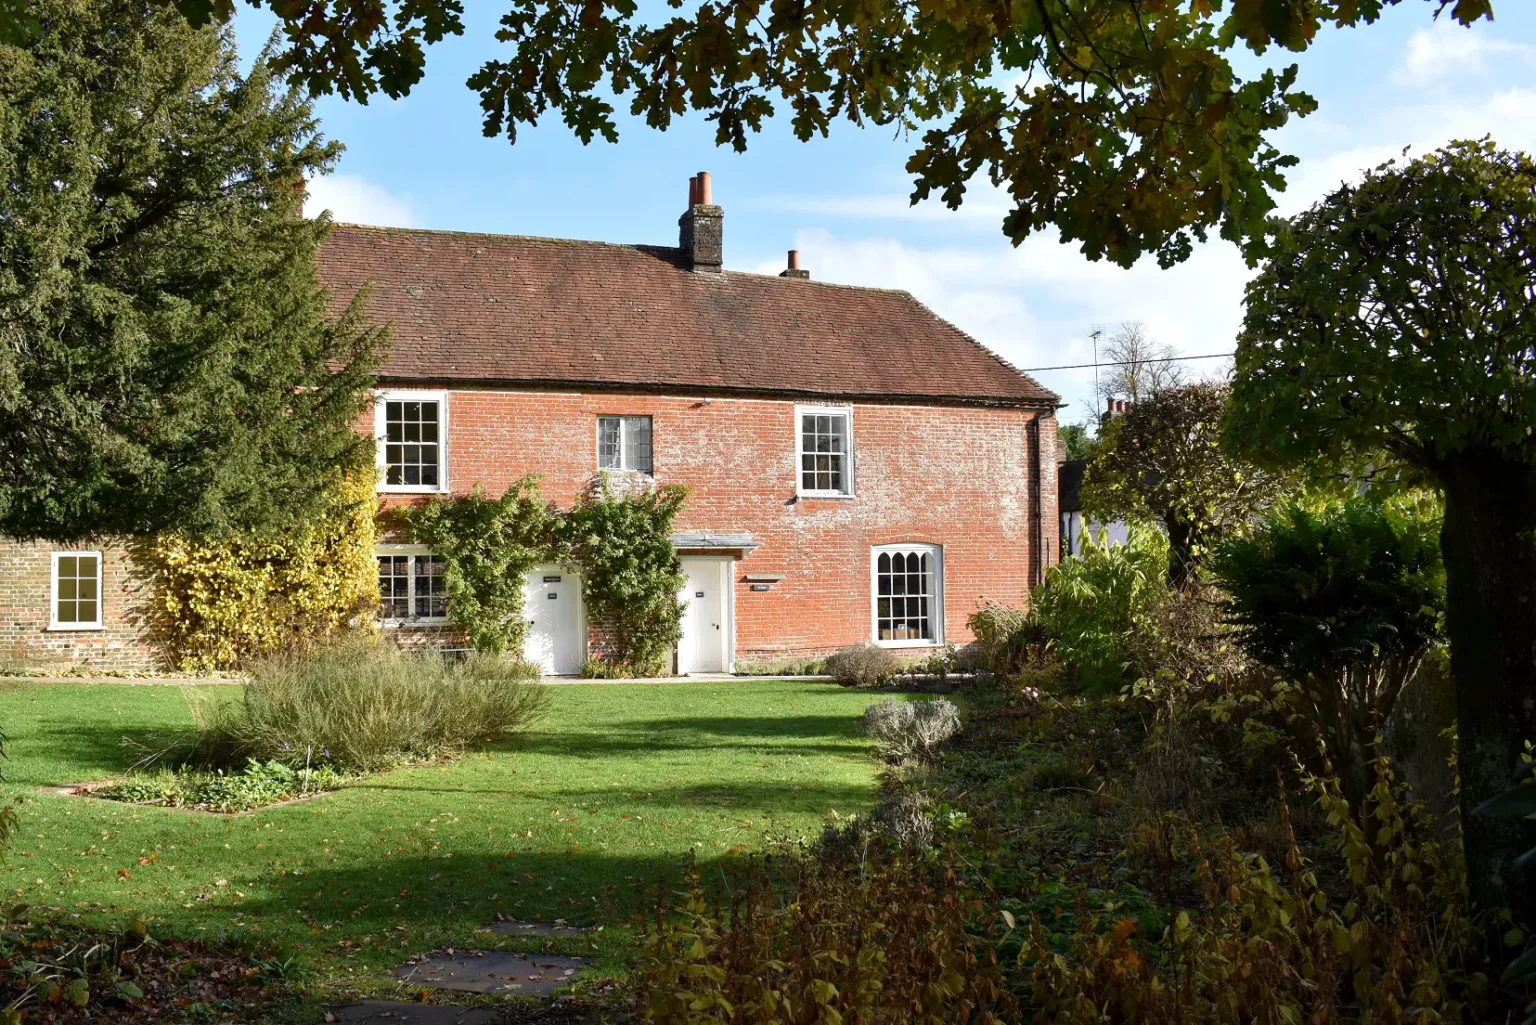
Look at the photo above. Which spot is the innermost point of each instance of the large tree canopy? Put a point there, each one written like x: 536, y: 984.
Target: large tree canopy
x: 1400, y: 314
x: 165, y: 357
x: 1121, y: 122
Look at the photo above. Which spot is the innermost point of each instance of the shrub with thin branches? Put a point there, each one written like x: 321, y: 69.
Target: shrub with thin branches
x: 912, y: 729
x: 365, y: 704
x: 863, y: 665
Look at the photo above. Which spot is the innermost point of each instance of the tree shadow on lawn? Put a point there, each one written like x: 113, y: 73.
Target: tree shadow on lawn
x: 96, y: 751
x: 797, y: 734
x: 812, y: 796
x: 389, y: 909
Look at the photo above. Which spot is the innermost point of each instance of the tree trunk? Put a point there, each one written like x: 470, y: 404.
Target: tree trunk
x: 1489, y: 544
x: 1181, y: 558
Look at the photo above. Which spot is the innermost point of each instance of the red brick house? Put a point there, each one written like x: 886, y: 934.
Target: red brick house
x: 859, y: 469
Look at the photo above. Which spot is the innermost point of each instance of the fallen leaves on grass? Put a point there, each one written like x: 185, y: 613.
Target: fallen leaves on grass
x: 65, y: 973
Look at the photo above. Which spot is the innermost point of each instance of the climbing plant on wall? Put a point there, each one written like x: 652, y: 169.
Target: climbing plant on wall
x: 219, y: 603
x: 630, y: 573
x: 487, y: 545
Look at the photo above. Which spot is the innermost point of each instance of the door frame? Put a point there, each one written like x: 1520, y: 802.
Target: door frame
x: 725, y: 567
x: 583, y: 634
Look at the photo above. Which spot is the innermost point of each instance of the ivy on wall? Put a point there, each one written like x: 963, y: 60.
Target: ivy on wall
x: 630, y: 573
x: 487, y: 545
x: 218, y: 604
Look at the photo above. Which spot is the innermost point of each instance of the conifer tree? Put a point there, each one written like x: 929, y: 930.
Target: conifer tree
x: 167, y: 358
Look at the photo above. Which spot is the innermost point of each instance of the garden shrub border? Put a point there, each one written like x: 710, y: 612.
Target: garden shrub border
x: 217, y: 603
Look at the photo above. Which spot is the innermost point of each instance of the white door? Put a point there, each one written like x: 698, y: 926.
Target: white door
x: 552, y: 606
x: 706, y: 616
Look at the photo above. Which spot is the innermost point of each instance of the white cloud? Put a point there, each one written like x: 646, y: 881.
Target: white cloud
x: 1449, y: 48
x: 1507, y: 116
x: 355, y: 200
x: 1035, y: 305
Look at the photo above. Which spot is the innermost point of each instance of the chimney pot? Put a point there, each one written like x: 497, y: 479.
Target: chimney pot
x: 794, y: 271
x: 700, y: 233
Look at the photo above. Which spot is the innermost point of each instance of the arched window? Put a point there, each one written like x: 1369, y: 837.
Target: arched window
x: 908, y: 586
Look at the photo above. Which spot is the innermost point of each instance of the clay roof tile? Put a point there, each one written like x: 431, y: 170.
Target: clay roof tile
x: 509, y: 310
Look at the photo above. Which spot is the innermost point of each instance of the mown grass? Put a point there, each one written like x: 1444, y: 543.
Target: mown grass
x: 570, y: 821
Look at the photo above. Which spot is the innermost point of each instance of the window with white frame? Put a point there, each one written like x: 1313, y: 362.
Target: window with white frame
x: 76, y: 602
x: 410, y: 428
x: 411, y: 586
x: 826, y: 450
x: 908, y: 585
x: 624, y: 443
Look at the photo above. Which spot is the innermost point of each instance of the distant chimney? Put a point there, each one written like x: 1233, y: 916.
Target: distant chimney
x: 794, y: 270
x: 701, y: 229
x: 1116, y: 408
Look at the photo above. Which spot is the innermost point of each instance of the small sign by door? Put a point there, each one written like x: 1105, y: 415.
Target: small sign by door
x: 698, y: 594
x: 551, y: 580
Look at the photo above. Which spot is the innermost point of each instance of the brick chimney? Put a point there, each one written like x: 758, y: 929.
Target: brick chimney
x: 700, y: 231
x: 794, y: 270
x: 1117, y: 408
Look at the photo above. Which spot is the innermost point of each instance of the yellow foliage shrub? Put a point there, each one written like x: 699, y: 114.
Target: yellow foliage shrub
x: 218, y: 604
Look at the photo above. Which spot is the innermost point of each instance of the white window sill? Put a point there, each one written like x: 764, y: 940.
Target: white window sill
x: 909, y: 644
x: 395, y: 624
x: 410, y: 489
x: 836, y: 495
x: 70, y: 628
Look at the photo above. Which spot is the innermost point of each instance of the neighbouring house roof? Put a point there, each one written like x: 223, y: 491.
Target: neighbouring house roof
x: 1069, y: 485
x: 514, y: 310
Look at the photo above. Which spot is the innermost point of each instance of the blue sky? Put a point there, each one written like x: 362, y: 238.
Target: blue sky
x: 842, y: 201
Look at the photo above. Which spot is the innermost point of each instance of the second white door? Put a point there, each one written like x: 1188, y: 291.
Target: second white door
x: 706, y: 635
x: 552, y: 606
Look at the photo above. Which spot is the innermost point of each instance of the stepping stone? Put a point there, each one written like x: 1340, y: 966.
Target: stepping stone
x: 491, y: 971
x: 543, y: 930
x: 393, y: 1012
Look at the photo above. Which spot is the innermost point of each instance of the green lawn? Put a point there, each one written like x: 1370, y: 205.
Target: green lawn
x: 568, y: 822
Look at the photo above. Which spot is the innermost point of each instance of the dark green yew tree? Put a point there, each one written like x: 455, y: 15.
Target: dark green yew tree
x: 166, y: 359
x: 1400, y: 315
x: 1122, y: 123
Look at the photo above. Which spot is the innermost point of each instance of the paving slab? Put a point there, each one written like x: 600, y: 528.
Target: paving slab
x: 543, y: 930
x: 393, y: 1012
x: 491, y: 971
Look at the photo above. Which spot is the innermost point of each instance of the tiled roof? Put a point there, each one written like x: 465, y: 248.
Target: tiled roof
x: 510, y: 310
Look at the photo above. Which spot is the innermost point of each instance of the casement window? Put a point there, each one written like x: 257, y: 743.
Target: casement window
x: 411, y: 430
x: 76, y: 589
x: 908, y: 586
x: 411, y: 586
x: 825, y: 448
x: 624, y: 443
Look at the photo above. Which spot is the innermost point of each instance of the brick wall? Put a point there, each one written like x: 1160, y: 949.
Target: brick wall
x: 957, y: 477
x: 25, y: 592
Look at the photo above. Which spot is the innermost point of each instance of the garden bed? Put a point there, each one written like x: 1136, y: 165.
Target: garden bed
x: 223, y: 793
x: 66, y: 973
